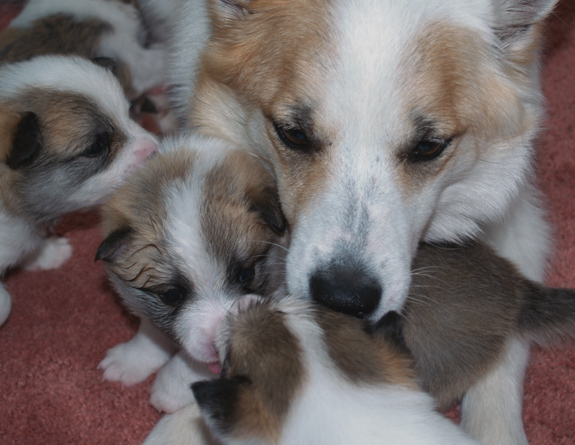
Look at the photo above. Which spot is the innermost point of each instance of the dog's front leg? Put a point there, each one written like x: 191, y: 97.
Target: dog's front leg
x: 134, y: 361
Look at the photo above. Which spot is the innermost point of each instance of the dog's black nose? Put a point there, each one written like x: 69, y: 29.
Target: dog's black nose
x: 350, y: 290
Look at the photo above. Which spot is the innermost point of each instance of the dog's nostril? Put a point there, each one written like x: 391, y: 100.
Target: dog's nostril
x: 352, y: 291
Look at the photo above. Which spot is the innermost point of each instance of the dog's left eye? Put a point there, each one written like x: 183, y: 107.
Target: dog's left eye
x: 294, y: 138
x: 427, y: 150
x: 98, y: 147
x: 246, y: 275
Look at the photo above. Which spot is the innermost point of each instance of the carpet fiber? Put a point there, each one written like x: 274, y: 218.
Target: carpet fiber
x: 63, y: 321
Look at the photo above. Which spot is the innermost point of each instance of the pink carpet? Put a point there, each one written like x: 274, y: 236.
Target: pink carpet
x: 64, y: 321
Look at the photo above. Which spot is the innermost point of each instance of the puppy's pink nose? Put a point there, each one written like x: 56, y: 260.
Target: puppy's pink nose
x: 145, y: 149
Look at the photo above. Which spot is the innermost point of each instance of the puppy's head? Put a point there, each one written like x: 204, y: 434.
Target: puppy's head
x: 190, y: 234
x: 67, y: 139
x: 386, y: 123
x: 293, y: 374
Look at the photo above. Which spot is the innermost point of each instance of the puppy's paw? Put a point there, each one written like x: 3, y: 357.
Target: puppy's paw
x: 53, y: 253
x: 128, y: 364
x: 171, y: 390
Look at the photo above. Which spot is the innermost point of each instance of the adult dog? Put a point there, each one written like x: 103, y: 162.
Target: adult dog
x: 385, y: 123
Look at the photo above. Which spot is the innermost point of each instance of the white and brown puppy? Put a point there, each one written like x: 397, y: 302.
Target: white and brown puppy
x: 66, y: 141
x: 386, y: 123
x: 185, y: 238
x: 293, y: 373
x: 89, y: 28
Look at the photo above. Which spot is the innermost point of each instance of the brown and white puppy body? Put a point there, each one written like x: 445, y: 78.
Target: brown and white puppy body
x: 294, y: 373
x: 387, y: 123
x: 185, y: 238
x: 66, y: 141
x: 91, y: 29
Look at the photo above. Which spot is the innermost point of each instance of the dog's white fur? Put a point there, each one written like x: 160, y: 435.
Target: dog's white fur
x: 359, y: 85
x: 124, y: 43
x: 22, y: 238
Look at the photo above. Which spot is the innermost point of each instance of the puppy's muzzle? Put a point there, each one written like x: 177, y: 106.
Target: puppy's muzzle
x: 348, y: 289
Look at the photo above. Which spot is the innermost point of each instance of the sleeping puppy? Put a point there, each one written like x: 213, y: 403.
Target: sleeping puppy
x: 66, y: 141
x: 185, y: 238
x: 285, y: 361
x: 89, y: 28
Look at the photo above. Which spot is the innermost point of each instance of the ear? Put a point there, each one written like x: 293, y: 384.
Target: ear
x: 217, y: 400
x: 517, y: 17
x: 107, y: 63
x: 114, y: 243
x: 26, y: 142
x: 390, y: 328
x: 266, y: 203
x: 229, y: 10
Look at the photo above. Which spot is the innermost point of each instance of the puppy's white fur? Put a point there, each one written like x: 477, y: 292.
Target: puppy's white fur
x: 22, y: 221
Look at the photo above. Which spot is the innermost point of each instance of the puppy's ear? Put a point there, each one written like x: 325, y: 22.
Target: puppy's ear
x: 217, y: 400
x: 114, y: 243
x: 106, y: 62
x: 266, y: 203
x: 26, y: 142
x: 390, y: 328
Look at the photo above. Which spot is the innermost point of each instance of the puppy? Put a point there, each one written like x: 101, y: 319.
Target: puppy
x: 385, y: 123
x: 90, y: 28
x: 66, y: 141
x: 185, y: 238
x: 285, y: 360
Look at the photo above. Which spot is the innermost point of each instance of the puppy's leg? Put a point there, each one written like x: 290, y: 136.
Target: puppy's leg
x: 492, y: 409
x: 134, y: 361
x: 5, y: 304
x: 52, y: 254
x: 172, y: 388
x: 183, y: 427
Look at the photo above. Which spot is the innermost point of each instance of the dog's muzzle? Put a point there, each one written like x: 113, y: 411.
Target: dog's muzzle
x: 350, y: 290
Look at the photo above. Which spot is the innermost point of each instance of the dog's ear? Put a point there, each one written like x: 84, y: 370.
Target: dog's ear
x: 114, y: 244
x: 217, y: 400
x: 516, y: 20
x: 26, y: 142
x: 266, y: 203
x: 107, y: 63
x: 228, y: 10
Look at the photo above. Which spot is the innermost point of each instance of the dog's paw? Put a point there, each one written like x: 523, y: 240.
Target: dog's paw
x: 129, y: 364
x: 53, y: 253
x: 171, y: 390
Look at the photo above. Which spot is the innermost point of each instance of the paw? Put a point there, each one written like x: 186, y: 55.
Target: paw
x: 53, y: 253
x: 171, y: 390
x: 129, y: 364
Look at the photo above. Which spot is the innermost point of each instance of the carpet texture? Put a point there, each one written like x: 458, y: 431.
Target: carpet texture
x: 63, y: 321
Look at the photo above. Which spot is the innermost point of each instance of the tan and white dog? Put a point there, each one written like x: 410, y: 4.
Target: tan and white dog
x: 92, y: 29
x: 185, y: 238
x: 66, y: 141
x: 386, y: 123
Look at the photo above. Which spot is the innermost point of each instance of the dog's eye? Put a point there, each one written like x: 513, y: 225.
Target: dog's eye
x: 294, y: 138
x: 246, y: 275
x: 427, y: 150
x: 99, y: 146
x: 173, y: 296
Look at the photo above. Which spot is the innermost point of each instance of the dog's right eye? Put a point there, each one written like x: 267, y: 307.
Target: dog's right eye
x: 173, y: 296
x: 294, y: 138
x: 99, y: 146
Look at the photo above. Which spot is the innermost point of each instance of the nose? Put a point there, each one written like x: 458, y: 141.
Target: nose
x: 350, y: 290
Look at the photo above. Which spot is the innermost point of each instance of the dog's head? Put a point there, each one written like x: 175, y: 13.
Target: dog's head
x: 385, y: 122
x: 67, y: 139
x: 190, y: 234
x: 293, y: 373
